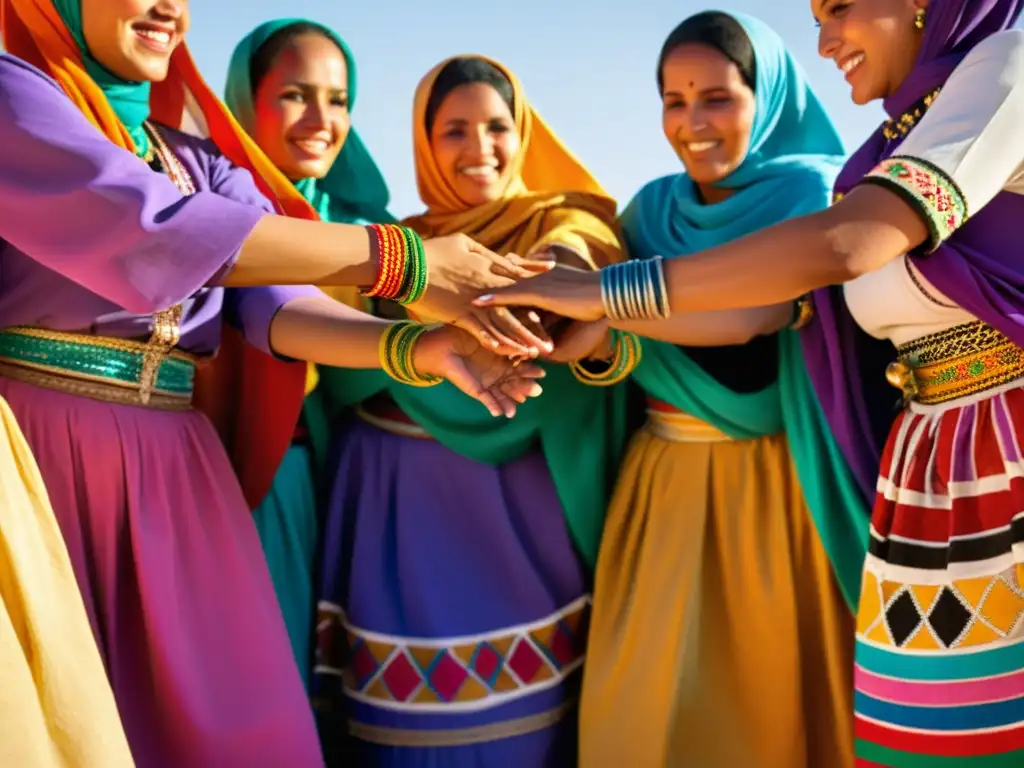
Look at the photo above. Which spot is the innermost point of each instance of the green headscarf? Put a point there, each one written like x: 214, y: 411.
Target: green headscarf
x: 354, y: 190
x: 130, y: 101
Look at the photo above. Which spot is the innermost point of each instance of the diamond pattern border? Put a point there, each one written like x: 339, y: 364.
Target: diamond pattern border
x: 411, y: 674
x: 962, y: 614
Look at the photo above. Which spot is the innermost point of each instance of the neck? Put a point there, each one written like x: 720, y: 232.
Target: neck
x: 710, y: 194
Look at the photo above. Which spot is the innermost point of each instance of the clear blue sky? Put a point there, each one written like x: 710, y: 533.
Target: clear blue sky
x: 587, y: 66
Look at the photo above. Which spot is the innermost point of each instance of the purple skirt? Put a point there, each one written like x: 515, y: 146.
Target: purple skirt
x: 453, y: 607
x: 174, y: 580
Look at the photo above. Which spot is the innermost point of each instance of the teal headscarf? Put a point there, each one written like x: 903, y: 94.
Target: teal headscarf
x: 354, y: 190
x: 130, y: 101
x: 795, y: 154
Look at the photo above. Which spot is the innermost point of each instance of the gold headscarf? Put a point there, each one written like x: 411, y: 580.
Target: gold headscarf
x: 551, y: 197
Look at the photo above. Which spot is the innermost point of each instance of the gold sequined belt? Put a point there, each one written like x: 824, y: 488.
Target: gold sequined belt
x: 673, y: 425
x: 113, y: 370
x: 958, y: 362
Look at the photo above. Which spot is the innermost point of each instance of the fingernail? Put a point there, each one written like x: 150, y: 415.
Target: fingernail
x: 534, y: 317
x: 549, y: 347
x: 485, y: 297
x: 534, y: 351
x: 535, y: 391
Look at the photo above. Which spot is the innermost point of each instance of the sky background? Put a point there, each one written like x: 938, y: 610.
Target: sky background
x: 587, y: 67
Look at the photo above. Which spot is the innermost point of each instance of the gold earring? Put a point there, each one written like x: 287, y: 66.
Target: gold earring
x: 919, y: 18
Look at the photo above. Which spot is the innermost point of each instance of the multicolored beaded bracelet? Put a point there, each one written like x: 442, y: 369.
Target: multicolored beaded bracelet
x: 635, y: 290
x: 396, y: 348
x: 624, y: 361
x: 403, y: 264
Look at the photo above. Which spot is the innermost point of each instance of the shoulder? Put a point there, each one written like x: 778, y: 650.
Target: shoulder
x: 997, y: 61
x: 24, y: 86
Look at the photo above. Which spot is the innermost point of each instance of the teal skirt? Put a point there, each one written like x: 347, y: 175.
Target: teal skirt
x: 287, y: 524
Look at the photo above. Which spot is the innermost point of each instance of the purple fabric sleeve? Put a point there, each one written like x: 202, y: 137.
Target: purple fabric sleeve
x: 252, y: 310
x: 90, y: 211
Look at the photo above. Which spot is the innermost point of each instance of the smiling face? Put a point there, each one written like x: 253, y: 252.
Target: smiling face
x: 474, y: 140
x: 707, y: 113
x: 873, y: 42
x: 134, y: 39
x: 302, y: 117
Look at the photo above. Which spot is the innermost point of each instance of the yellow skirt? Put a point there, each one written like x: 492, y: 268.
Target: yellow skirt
x: 56, y: 706
x: 719, y: 637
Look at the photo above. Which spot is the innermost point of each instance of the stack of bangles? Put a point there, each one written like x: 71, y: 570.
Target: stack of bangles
x: 396, y: 353
x: 624, y: 360
x: 403, y: 264
x: 635, y: 290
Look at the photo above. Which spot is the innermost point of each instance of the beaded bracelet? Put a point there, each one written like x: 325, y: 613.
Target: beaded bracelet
x: 403, y: 264
x: 803, y: 313
x: 624, y: 361
x: 635, y: 290
x: 396, y: 348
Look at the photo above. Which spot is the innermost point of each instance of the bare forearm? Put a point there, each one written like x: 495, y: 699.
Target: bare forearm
x: 284, y: 251
x: 324, y: 331
x: 713, y: 329
x: 869, y: 228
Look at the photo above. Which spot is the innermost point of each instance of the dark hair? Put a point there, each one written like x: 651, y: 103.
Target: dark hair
x: 718, y: 30
x: 267, y: 53
x: 463, y: 71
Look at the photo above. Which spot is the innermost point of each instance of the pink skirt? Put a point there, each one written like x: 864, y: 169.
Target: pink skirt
x: 174, y: 581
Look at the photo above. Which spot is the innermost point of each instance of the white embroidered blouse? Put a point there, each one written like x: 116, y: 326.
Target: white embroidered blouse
x: 968, y: 147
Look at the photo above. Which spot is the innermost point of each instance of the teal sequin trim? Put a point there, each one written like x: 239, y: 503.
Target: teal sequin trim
x: 95, y: 361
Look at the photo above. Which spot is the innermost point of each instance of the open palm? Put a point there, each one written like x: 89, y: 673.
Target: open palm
x: 496, y: 381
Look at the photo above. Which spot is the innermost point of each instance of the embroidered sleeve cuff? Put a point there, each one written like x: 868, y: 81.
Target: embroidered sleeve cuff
x: 928, y: 189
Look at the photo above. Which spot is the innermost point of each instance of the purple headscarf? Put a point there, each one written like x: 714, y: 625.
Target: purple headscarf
x: 978, y: 267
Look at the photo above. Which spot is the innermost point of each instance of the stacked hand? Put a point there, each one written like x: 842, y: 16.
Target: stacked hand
x: 460, y: 269
x: 495, y: 380
x: 564, y: 291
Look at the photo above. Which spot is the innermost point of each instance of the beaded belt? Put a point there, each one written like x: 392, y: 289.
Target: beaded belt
x: 961, y: 361
x: 99, y: 367
x: 673, y: 425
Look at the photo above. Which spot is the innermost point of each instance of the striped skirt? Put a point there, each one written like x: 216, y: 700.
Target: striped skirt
x: 940, y: 630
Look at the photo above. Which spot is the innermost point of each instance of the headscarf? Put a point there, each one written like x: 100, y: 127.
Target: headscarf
x: 354, y: 190
x: 552, y: 199
x: 130, y: 101
x: 49, y: 36
x: 974, y: 268
x: 794, y: 155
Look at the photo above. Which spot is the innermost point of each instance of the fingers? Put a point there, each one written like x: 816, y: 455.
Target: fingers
x: 524, y: 328
x: 472, y: 325
x: 517, y: 295
x: 459, y: 374
x: 518, y: 268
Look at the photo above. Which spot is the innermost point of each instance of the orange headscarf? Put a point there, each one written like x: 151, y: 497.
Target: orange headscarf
x: 242, y: 381
x: 551, y: 197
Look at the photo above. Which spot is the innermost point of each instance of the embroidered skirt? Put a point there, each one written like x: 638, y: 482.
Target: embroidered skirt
x: 453, y: 607
x: 719, y: 637
x: 940, y: 631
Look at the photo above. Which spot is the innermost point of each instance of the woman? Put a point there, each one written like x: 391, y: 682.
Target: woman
x: 56, y: 706
x: 456, y: 548
x: 940, y: 640
x: 292, y: 85
x: 156, y: 525
x: 718, y: 521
